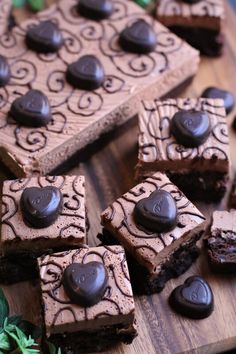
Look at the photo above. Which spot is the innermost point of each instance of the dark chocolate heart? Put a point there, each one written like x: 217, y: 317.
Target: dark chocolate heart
x: 32, y: 109
x: 85, y: 284
x: 41, y: 206
x: 138, y: 38
x: 226, y: 96
x: 157, y: 213
x: 194, y: 299
x: 44, y: 38
x: 95, y: 9
x: 5, y: 73
x: 86, y: 74
x: 191, y: 128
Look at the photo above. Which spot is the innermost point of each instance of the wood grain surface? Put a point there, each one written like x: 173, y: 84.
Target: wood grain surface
x: 108, y: 166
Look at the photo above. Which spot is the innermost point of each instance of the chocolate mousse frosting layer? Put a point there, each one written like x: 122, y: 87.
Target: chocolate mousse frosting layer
x: 66, y: 229
x: 152, y: 249
x: 5, y: 9
x: 78, y: 116
x: 159, y: 148
x: 116, y: 307
x: 204, y: 13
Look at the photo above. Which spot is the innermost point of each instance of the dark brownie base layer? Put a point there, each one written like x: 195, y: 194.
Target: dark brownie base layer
x: 209, y: 42
x: 208, y: 187
x: 222, y: 254
x: 87, y: 342
x: 179, y: 262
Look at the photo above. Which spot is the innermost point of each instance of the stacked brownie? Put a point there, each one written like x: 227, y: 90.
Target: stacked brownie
x: 187, y: 139
x: 199, y: 22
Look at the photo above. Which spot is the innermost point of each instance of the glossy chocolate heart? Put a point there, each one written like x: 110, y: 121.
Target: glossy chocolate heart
x: 226, y: 96
x: 194, y: 299
x: 157, y: 213
x: 85, y: 284
x: 138, y: 38
x: 86, y: 74
x: 44, y: 38
x: 32, y: 109
x: 5, y: 73
x: 95, y: 9
x: 191, y: 128
x: 41, y: 206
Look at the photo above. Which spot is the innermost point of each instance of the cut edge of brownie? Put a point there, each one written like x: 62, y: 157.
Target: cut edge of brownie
x: 173, y: 266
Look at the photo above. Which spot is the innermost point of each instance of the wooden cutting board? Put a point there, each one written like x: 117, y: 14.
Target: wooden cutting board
x: 109, y: 170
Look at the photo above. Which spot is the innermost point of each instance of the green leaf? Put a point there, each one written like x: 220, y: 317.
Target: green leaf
x: 4, y: 308
x: 4, y: 341
x: 52, y: 349
x: 36, y: 5
x: 18, y: 3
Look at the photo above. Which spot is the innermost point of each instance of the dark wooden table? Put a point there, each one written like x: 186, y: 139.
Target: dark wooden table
x: 108, y: 166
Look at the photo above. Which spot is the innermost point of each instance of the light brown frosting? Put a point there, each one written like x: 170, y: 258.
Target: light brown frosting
x: 5, y: 8
x: 116, y: 306
x: 224, y: 224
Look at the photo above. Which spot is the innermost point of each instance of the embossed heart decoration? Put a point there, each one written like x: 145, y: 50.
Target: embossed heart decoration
x: 157, y: 213
x: 85, y: 284
x: 44, y: 38
x: 193, y: 299
x: 41, y: 206
x: 190, y: 128
x: 95, y: 9
x: 138, y: 38
x: 32, y: 109
x: 87, y: 73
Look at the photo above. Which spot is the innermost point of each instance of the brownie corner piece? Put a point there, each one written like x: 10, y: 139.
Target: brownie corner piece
x: 79, y: 327
x: 221, y: 242
x: 39, y: 215
x: 199, y: 23
x: 200, y: 171
x: 156, y: 256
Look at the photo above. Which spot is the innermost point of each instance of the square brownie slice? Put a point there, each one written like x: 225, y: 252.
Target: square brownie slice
x: 201, y: 171
x: 76, y: 116
x: 199, y: 23
x: 72, y: 324
x: 221, y: 243
x: 39, y: 215
x: 158, y: 227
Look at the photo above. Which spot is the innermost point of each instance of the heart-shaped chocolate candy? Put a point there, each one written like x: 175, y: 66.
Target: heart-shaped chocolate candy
x: 86, y: 74
x: 5, y: 73
x: 44, y: 38
x: 32, y: 109
x: 138, y: 38
x: 95, y: 9
x: 85, y: 284
x: 226, y: 96
x: 157, y: 213
x: 193, y: 299
x: 41, y: 206
x: 191, y: 128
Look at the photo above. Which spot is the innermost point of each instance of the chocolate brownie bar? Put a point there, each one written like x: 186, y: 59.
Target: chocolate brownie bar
x: 87, y: 299
x: 39, y: 215
x: 198, y: 22
x: 159, y: 227
x: 221, y: 243
x: 106, y: 53
x: 195, y: 156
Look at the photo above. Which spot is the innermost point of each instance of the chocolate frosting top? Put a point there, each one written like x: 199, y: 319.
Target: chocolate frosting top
x: 158, y: 145
x: 142, y: 243
x: 70, y: 221
x: 73, y: 110
x: 116, y: 303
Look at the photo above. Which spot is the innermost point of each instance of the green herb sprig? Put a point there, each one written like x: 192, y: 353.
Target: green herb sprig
x: 18, y: 336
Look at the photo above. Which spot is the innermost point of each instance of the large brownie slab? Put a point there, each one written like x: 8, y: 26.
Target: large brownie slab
x: 153, y: 251
x: 79, y: 117
x: 94, y: 328
x: 201, y: 172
